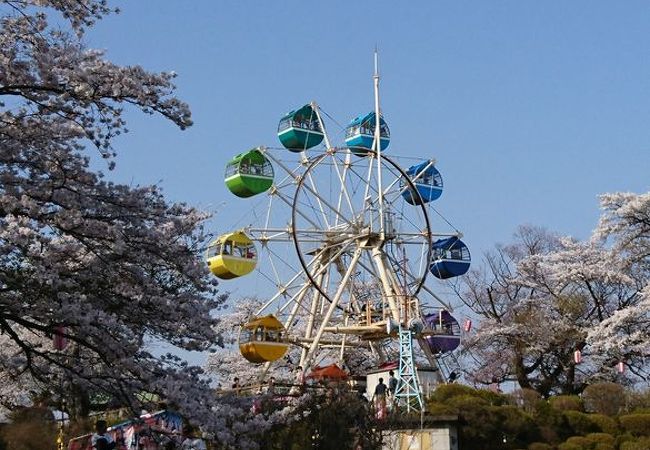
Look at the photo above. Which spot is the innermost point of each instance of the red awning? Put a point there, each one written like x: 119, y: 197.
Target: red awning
x: 331, y: 372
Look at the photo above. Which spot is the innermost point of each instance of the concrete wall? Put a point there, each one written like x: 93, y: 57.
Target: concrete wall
x: 439, y: 438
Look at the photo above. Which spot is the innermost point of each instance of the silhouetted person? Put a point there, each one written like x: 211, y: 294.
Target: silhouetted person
x: 101, y: 435
x: 392, y: 383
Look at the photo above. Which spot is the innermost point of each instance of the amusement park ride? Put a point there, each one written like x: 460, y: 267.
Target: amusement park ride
x: 344, y: 236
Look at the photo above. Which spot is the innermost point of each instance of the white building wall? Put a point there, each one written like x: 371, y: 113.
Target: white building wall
x: 443, y: 438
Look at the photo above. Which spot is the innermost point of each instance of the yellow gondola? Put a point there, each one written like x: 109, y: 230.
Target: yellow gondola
x: 260, y: 340
x: 231, y: 255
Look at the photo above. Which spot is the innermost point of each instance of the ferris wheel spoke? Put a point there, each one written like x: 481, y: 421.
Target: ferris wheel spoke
x: 332, y: 208
x: 300, y: 180
x: 392, y: 191
x: 368, y: 185
x: 334, y: 303
x: 298, y: 304
x: 267, y: 221
x: 317, y: 111
x: 291, y: 174
x: 322, y: 265
x: 320, y: 205
x: 273, y: 273
x: 326, y: 257
x: 306, y: 208
x: 288, y: 202
x: 280, y: 293
x: 343, y: 192
x: 414, y: 279
x: 300, y: 275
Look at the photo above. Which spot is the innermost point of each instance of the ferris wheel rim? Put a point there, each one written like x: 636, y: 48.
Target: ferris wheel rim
x: 294, y: 232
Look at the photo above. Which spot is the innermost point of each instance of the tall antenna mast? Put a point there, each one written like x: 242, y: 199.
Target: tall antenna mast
x: 377, y: 146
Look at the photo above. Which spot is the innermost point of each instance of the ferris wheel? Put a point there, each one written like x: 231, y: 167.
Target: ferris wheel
x: 343, y: 238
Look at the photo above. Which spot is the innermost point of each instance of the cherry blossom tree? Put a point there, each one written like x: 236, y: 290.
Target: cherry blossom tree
x: 543, y: 298
x: 625, y: 332
x: 513, y: 340
x: 106, y: 267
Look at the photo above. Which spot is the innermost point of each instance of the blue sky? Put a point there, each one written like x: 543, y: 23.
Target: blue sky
x: 531, y: 109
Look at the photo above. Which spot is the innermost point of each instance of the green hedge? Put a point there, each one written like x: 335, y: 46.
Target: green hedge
x: 636, y: 424
x: 576, y: 443
x: 604, y: 447
x: 601, y: 438
x: 604, y: 398
x: 540, y: 446
x: 440, y: 409
x: 446, y: 392
x: 594, y: 441
x: 602, y: 441
x: 581, y: 423
x: 566, y: 403
x: 639, y: 444
x: 516, y: 424
x: 605, y: 424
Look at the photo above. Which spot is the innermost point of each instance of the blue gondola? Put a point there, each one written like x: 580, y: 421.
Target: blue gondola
x: 300, y: 129
x: 451, y: 258
x: 360, y: 134
x: 449, y: 338
x: 427, y: 180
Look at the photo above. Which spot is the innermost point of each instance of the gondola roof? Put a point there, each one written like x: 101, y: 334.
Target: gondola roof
x: 370, y: 117
x: 306, y: 111
x: 269, y: 322
x: 420, y: 167
x: 450, y: 243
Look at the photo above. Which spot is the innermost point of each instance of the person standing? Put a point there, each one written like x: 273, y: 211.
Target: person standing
x: 380, y: 399
x: 101, y: 435
x: 392, y: 383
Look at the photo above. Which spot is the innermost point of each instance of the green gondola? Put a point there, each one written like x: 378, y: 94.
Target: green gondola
x: 249, y: 173
x: 300, y: 129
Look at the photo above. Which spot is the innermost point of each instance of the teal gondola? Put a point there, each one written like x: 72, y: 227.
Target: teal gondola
x: 300, y: 129
x: 451, y: 258
x: 360, y: 134
x: 427, y: 181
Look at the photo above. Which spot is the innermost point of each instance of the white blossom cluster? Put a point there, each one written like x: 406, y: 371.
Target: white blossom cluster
x: 543, y: 298
x: 104, y: 266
